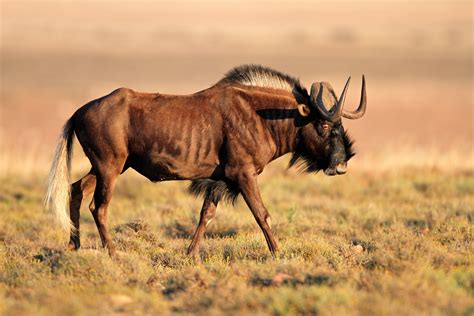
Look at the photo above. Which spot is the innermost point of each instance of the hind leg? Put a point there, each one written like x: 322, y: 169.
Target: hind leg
x: 208, y: 212
x: 106, y: 180
x: 80, y: 190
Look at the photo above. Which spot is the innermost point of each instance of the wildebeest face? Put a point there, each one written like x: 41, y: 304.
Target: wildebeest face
x: 336, y: 147
x: 324, y: 144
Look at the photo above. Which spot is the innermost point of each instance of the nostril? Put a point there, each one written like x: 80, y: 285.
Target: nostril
x: 341, y: 168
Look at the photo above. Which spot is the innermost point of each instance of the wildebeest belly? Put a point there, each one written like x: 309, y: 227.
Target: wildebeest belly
x: 160, y: 164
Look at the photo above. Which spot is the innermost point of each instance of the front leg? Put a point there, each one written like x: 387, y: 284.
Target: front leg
x: 248, y: 185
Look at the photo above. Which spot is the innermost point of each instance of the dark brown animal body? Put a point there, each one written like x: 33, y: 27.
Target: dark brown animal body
x: 221, y: 138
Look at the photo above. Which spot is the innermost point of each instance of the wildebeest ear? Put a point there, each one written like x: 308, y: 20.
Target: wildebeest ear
x: 304, y: 109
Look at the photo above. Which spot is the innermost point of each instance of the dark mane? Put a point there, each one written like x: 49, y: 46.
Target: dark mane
x: 260, y: 76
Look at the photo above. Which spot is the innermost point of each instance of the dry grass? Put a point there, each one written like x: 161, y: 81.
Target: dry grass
x: 414, y: 228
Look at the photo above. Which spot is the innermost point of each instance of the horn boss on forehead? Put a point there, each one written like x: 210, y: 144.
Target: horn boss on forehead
x: 323, y: 97
x: 323, y: 94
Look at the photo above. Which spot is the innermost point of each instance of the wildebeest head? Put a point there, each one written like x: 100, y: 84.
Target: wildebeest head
x: 323, y: 143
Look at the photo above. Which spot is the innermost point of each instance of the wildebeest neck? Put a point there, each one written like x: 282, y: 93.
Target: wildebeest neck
x: 278, y: 109
x: 281, y: 123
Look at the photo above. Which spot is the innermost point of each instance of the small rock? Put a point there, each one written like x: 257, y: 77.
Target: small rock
x: 18, y: 196
x: 120, y: 299
x: 357, y: 249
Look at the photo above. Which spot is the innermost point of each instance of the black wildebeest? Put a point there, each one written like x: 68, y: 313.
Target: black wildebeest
x: 221, y: 138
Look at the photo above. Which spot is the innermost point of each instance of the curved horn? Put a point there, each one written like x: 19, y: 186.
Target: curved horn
x: 340, y: 104
x: 353, y: 115
x: 336, y: 111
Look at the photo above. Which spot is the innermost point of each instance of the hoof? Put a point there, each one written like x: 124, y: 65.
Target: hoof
x: 72, y: 246
x: 194, y: 255
x: 113, y: 253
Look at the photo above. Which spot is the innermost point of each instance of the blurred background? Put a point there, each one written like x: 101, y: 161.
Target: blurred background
x: 416, y: 55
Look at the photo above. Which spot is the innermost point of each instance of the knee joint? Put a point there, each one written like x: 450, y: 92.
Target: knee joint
x: 268, y: 221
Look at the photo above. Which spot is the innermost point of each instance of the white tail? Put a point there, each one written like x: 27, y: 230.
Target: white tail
x: 58, y: 194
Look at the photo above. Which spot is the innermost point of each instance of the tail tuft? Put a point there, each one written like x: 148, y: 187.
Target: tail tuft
x: 58, y: 193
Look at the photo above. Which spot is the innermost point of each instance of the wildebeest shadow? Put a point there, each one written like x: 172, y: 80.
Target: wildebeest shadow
x: 231, y: 232
x: 178, y: 230
x: 50, y: 257
x: 283, y: 279
x: 135, y: 226
x: 47, y: 253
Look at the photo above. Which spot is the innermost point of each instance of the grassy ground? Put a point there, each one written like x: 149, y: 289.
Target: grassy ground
x: 393, y: 243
